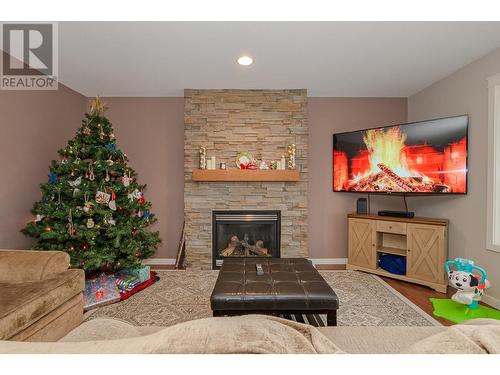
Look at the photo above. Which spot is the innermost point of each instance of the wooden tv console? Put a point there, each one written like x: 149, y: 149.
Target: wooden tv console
x: 422, y: 241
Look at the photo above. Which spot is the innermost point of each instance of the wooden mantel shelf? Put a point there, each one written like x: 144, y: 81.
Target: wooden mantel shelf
x: 285, y: 175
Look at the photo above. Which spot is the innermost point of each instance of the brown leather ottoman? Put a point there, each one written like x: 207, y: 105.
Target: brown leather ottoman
x: 288, y: 286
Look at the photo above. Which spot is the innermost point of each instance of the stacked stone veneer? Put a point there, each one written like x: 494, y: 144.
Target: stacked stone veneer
x: 226, y: 122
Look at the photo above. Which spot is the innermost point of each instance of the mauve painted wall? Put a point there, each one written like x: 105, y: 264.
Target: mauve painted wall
x: 34, y: 125
x: 465, y: 91
x: 151, y: 132
x: 327, y: 210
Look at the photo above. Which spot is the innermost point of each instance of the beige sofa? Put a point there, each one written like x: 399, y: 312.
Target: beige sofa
x: 269, y: 335
x: 40, y: 298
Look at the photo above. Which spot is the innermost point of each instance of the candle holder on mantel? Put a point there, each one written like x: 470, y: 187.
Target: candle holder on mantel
x: 203, y: 158
x: 291, y: 156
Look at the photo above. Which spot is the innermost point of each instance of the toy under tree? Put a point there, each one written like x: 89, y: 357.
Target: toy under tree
x: 92, y: 207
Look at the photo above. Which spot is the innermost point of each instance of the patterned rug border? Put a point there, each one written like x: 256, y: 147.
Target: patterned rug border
x: 421, y: 312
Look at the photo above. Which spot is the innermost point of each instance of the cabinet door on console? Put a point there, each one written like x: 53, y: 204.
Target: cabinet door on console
x: 426, y: 252
x: 362, y: 239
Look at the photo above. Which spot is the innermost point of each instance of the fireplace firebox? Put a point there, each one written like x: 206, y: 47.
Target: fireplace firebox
x: 245, y: 234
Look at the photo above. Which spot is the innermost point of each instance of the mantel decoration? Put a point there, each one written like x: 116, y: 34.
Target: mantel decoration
x: 203, y: 158
x: 291, y: 156
x: 245, y: 160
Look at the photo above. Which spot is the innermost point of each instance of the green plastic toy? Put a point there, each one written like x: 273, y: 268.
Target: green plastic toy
x: 458, y: 313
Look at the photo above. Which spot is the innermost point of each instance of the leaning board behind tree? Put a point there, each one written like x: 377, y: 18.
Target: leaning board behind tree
x: 92, y: 206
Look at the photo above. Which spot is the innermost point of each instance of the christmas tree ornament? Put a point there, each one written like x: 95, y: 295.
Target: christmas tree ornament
x: 86, y: 130
x: 141, y: 199
x: 126, y: 180
x: 39, y: 218
x: 136, y: 194
x: 112, y: 202
x: 110, y: 162
x: 146, y: 214
x: 76, y: 182
x: 111, y: 147
x: 71, y: 228
x: 102, y: 197
x: 72, y: 173
x: 107, y: 178
x: 140, y: 213
x: 88, y: 206
x: 76, y: 191
x: 52, y: 178
x: 90, y: 223
x: 110, y: 221
x: 91, y: 174
x: 64, y: 161
x: 112, y: 136
x: 58, y: 204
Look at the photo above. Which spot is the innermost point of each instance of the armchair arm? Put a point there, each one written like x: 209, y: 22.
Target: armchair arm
x: 31, y: 265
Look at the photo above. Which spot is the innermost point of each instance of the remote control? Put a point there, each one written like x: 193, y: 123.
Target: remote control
x: 260, y: 270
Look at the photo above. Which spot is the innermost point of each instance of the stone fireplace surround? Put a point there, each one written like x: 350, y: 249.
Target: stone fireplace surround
x: 226, y: 122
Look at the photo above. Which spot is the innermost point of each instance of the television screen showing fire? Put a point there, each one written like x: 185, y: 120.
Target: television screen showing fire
x: 420, y: 157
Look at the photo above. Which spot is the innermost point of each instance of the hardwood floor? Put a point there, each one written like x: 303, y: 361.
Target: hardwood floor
x: 418, y: 294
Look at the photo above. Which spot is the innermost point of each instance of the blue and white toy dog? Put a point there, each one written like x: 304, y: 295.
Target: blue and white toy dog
x: 470, y: 287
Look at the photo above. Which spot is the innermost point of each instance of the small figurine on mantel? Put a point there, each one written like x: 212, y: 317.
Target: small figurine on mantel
x: 263, y: 165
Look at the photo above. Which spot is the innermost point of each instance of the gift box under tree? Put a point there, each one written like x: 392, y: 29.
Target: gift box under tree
x: 142, y: 272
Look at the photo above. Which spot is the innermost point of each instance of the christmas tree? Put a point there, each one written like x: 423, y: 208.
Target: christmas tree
x: 92, y: 206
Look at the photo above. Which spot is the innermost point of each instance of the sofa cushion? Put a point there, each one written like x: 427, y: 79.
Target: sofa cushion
x: 377, y: 340
x: 30, y: 265
x: 22, y: 303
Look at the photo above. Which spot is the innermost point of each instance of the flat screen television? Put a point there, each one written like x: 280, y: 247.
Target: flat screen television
x: 425, y: 157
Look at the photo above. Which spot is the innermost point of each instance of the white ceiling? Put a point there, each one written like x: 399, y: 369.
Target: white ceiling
x: 328, y: 59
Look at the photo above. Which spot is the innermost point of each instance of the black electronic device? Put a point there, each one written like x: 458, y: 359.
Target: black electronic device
x: 405, y: 214
x: 361, y: 206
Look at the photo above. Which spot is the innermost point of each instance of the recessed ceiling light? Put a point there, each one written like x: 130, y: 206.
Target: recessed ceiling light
x: 245, y: 60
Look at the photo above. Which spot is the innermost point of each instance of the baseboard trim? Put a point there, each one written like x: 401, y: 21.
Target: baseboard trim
x: 159, y: 262
x: 171, y: 261
x: 492, y: 301
x: 329, y: 261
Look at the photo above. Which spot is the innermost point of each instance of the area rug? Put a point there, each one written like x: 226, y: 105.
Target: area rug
x: 365, y: 300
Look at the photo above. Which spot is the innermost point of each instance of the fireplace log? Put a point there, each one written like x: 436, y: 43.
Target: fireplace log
x: 231, y: 247
x: 228, y: 251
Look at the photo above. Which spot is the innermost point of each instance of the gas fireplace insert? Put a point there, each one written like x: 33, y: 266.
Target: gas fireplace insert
x: 245, y: 234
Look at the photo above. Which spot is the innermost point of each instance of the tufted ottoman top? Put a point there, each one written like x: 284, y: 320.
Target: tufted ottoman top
x: 287, y: 284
